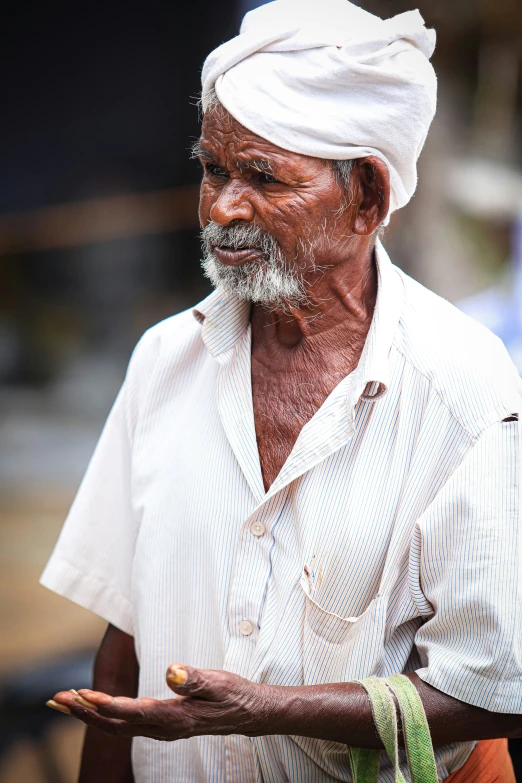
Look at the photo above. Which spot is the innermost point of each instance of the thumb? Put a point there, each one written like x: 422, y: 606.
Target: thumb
x: 200, y: 683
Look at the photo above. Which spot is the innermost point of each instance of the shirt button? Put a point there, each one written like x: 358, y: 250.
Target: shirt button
x: 258, y: 529
x: 246, y: 627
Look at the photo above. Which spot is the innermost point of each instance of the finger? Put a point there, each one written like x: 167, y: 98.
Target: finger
x: 64, y: 700
x: 115, y: 727
x: 123, y: 708
x: 92, y: 718
x: 54, y: 705
x: 67, y: 701
x: 208, y: 684
x: 88, y: 702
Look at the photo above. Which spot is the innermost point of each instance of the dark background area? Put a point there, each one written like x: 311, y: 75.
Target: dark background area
x: 98, y: 96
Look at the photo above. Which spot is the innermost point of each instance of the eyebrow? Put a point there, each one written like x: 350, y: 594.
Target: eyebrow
x: 199, y: 151
x: 256, y: 164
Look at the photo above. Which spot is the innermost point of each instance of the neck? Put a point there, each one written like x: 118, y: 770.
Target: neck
x: 340, y: 301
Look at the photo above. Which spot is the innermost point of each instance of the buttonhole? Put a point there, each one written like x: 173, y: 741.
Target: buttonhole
x: 513, y: 417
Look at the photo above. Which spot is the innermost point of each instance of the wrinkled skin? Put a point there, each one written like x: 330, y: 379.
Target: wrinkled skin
x: 299, y: 355
x: 301, y: 198
x: 218, y: 702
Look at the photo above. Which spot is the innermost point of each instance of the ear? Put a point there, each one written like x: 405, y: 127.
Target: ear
x: 372, y: 194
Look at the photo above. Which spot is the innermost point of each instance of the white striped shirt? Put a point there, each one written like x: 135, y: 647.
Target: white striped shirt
x: 389, y: 542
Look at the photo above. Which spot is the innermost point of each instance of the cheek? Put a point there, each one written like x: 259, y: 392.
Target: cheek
x: 289, y: 220
x: 207, y: 197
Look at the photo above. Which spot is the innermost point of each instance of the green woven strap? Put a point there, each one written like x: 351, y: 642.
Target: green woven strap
x: 417, y: 738
x: 419, y: 748
x: 365, y: 762
x: 365, y: 765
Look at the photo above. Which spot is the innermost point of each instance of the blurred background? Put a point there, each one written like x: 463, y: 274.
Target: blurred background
x: 99, y: 240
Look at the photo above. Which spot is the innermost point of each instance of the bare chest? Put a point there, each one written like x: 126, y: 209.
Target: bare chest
x: 283, y: 403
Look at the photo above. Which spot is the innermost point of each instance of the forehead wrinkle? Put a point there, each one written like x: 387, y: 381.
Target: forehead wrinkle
x: 244, y: 153
x: 239, y: 149
x: 236, y: 149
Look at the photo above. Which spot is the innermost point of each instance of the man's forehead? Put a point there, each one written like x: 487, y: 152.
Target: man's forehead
x: 223, y: 136
x: 237, y: 157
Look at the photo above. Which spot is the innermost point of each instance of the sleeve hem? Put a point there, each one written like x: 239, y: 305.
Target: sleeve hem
x: 477, y: 692
x: 89, y: 592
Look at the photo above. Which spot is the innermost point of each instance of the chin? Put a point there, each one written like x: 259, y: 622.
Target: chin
x: 257, y: 281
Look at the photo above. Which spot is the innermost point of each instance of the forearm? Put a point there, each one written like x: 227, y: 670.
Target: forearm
x: 341, y: 712
x: 105, y: 758
x: 219, y: 702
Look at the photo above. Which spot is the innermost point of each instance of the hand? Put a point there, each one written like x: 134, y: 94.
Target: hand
x: 207, y: 702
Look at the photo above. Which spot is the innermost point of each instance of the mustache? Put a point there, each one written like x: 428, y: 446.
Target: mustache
x: 238, y: 237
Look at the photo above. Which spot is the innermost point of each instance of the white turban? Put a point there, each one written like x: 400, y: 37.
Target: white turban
x: 327, y: 79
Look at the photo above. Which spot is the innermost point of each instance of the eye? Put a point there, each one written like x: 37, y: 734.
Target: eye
x: 215, y: 171
x: 267, y: 179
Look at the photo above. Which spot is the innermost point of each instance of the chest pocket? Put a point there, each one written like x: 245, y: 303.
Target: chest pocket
x: 338, y: 648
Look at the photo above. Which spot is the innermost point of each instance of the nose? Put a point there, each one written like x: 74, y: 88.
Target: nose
x: 232, y: 204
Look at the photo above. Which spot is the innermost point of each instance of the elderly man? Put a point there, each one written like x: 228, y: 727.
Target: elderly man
x: 312, y: 477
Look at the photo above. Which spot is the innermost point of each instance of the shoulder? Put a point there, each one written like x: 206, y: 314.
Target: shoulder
x: 466, y: 364
x: 160, y: 357
x: 168, y: 338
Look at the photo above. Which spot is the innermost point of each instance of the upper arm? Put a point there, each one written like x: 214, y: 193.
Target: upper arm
x: 469, y: 572
x: 92, y: 563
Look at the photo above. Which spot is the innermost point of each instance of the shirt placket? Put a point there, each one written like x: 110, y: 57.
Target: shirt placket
x: 328, y: 430
x: 237, y: 412
x: 252, y: 560
x: 256, y: 538
x: 249, y: 584
x: 252, y: 564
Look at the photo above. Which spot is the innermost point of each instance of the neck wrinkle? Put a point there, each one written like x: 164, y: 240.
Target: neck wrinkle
x: 342, y: 302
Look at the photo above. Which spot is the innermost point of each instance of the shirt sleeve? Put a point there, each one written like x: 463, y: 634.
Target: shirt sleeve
x: 92, y: 561
x: 468, y: 578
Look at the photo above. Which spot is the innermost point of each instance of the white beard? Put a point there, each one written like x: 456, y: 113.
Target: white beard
x: 255, y: 281
x: 268, y: 280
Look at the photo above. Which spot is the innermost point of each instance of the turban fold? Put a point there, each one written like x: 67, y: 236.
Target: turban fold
x: 328, y: 79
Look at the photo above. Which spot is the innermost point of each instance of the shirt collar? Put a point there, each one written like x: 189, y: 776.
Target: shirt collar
x: 373, y: 370
x: 224, y: 318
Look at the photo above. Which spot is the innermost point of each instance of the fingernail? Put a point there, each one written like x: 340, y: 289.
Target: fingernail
x: 71, y: 690
x: 59, y: 707
x: 177, y: 676
x: 84, y: 703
